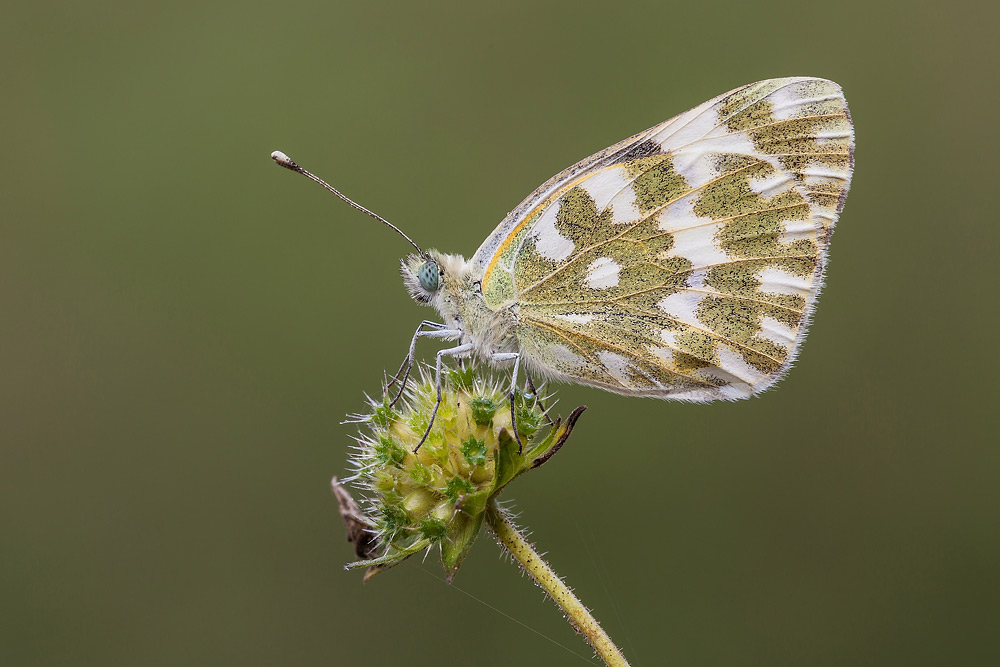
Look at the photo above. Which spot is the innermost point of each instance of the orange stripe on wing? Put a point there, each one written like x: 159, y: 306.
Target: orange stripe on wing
x: 531, y: 216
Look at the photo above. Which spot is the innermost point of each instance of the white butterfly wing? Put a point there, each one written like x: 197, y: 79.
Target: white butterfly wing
x: 682, y: 262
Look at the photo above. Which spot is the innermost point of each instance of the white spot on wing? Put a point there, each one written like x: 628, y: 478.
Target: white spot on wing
x: 616, y: 365
x: 698, y: 245
x: 666, y: 354
x: 824, y: 137
x: 794, y: 230
x: 550, y: 244
x: 612, y: 187
x: 689, y: 126
x: 681, y: 306
x: 602, y: 273
x: 734, y: 364
x: 624, y: 207
x: 776, y: 281
x: 734, y: 387
x: 785, y: 101
x: 697, y: 278
x: 576, y: 319
x: 771, y: 184
x: 825, y: 173
x: 696, y: 163
x: 679, y: 214
x: 776, y: 332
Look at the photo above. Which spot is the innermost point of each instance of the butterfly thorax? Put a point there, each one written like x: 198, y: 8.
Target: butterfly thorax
x: 459, y: 300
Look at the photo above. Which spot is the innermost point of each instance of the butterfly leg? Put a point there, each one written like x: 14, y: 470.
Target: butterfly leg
x: 450, y: 352
x: 534, y: 392
x: 507, y: 356
x: 408, y: 359
x: 436, y: 331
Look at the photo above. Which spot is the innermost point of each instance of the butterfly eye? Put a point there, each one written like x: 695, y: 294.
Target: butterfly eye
x: 427, y: 274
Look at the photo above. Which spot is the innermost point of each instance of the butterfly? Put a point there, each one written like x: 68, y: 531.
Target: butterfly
x: 681, y: 263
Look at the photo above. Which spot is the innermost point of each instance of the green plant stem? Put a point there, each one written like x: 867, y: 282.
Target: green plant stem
x: 579, y: 616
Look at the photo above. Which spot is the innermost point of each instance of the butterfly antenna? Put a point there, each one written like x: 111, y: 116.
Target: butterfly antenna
x: 290, y: 164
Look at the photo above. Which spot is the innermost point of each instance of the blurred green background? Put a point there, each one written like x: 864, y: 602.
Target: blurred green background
x: 185, y: 325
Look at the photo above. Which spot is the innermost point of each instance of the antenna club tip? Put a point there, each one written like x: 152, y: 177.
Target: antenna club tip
x: 284, y: 160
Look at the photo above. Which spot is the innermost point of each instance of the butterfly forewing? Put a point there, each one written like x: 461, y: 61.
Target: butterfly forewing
x: 683, y: 262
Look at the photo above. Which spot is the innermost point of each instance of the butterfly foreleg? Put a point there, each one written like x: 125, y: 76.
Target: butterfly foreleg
x: 507, y: 356
x: 437, y: 330
x: 450, y: 352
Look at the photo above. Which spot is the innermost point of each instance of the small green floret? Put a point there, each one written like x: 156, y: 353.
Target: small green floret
x: 528, y: 419
x: 483, y: 409
x: 474, y: 451
x: 457, y: 488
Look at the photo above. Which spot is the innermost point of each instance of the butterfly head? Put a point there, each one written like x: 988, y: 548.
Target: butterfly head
x: 434, y: 278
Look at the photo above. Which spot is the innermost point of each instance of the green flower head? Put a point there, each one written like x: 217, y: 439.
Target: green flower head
x: 437, y: 494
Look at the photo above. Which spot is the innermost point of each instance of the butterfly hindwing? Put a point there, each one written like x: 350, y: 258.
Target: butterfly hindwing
x: 682, y: 262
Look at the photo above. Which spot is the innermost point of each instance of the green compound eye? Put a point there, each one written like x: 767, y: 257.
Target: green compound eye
x: 428, y: 276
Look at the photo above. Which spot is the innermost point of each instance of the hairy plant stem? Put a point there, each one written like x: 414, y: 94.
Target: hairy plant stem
x: 579, y: 616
